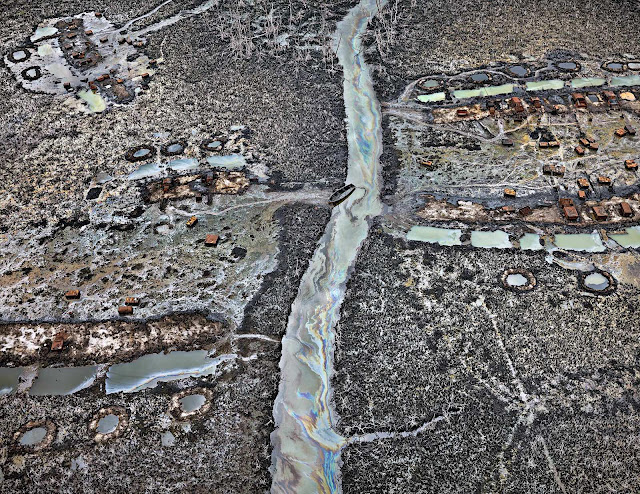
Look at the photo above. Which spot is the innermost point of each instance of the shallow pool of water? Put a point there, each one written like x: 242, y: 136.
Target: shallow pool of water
x: 586, y: 242
x: 628, y: 80
x: 518, y: 70
x: 517, y: 280
x: 108, y: 424
x: 141, y: 153
x: 175, y: 148
x: 633, y: 66
x: 596, y: 281
x: 441, y: 236
x: 43, y: 32
x: 145, y: 171
x: 484, y: 91
x: 229, y: 162
x: 63, y: 380
x: 631, y: 240
x: 615, y: 66
x: 530, y: 241
x: 430, y: 98
x: 545, y: 85
x: 33, y: 436
x: 481, y: 77
x: 491, y: 240
x: 567, y: 65
x: 429, y: 84
x: 191, y: 403
x: 19, y: 55
x: 148, y: 370
x: 94, y: 101
x: 9, y: 379
x: 587, y: 82
x: 183, y: 164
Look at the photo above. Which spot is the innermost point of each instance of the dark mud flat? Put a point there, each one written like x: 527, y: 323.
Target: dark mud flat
x: 301, y: 227
x: 476, y: 32
x: 224, y: 450
x: 536, y: 391
x: 292, y: 109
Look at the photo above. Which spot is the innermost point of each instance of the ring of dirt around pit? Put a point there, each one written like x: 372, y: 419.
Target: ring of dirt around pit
x: 130, y: 153
x: 613, y: 283
x: 27, y: 77
x: 123, y: 423
x: 34, y: 424
x: 531, y: 280
x: 204, y: 145
x: 26, y: 51
x: 164, y: 149
x: 175, y: 408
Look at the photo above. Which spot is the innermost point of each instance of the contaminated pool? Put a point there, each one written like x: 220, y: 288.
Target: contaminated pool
x: 545, y: 85
x: 33, y: 436
x: 586, y: 242
x: 108, y: 424
x: 430, y: 98
x: 517, y: 280
x: 433, y: 235
x: 628, y: 80
x: 191, y: 403
x: 484, y: 91
x: 530, y: 241
x: 491, y: 240
x: 588, y: 82
x: 596, y: 281
x: 629, y: 240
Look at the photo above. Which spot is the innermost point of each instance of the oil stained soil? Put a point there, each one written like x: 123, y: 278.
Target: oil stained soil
x: 533, y: 389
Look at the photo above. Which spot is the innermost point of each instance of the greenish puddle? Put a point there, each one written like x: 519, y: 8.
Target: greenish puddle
x: 145, y: 171
x: 491, y: 240
x: 63, y: 380
x: 545, y: 85
x: 94, y: 101
x: 430, y: 98
x: 429, y: 84
x: 530, y: 241
x: 596, y: 281
x: 441, y: 236
x: 183, y: 164
x: 33, y: 436
x: 483, y: 91
x: 587, y: 242
x: 628, y: 80
x: 587, y: 82
x: 630, y: 240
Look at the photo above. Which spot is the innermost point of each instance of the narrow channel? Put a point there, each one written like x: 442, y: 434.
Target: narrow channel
x: 306, y: 448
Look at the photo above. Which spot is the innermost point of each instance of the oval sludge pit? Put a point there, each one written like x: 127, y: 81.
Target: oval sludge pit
x: 480, y: 77
x: 108, y: 423
x: 173, y: 148
x: 214, y: 144
x: 518, y: 70
x: 613, y: 66
x: 518, y: 280
x: 31, y: 73
x: 140, y: 153
x: 599, y: 282
x: 190, y: 403
x: 568, y: 66
x: 35, y: 435
x: 19, y: 55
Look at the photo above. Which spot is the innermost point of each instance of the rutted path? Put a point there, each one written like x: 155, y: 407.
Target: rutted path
x: 306, y: 449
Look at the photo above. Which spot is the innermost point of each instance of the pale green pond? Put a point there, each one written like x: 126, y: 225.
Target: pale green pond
x: 433, y: 235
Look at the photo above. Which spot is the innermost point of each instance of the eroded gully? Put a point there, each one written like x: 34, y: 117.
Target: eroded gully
x: 306, y: 448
